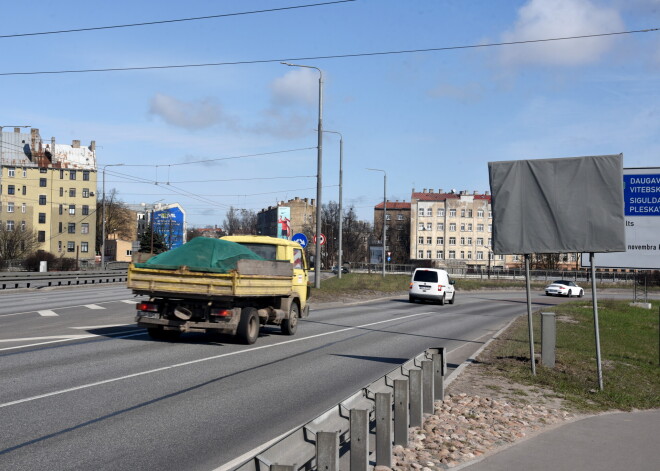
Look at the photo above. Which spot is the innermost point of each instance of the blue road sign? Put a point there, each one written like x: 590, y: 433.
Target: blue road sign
x: 301, y: 239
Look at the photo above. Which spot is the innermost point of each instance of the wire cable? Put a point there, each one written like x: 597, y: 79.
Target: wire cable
x: 179, y: 20
x: 334, y: 56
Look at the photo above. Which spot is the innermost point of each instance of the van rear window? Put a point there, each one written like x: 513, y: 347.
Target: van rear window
x: 428, y: 276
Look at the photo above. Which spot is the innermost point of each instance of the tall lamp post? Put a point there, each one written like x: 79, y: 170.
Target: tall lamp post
x: 384, y: 211
x: 341, y: 214
x: 319, y: 173
x: 103, y: 215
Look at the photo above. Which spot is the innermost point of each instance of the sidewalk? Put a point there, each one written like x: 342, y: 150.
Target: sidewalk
x: 611, y: 441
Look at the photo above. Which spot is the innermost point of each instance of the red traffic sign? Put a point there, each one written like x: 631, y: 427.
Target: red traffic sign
x: 322, y: 239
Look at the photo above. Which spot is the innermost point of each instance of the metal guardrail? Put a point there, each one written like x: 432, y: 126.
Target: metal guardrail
x: 348, y: 427
x: 14, y: 280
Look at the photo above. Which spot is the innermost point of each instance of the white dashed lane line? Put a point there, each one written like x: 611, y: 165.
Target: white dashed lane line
x: 47, y: 313
x: 93, y: 306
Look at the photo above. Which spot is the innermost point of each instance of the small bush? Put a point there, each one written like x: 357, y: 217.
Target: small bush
x: 32, y: 262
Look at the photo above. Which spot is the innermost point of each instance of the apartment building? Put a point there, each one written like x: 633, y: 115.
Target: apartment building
x: 453, y: 229
x: 49, y: 188
x: 287, y: 218
x: 397, y: 217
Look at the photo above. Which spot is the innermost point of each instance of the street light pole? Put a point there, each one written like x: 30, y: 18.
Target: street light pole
x: 384, y: 212
x: 319, y: 174
x: 103, y: 216
x: 341, y: 214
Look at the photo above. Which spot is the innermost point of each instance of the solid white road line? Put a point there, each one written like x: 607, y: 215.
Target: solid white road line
x: 47, y: 313
x: 68, y: 338
x: 201, y: 360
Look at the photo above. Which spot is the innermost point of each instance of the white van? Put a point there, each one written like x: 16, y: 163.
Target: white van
x: 431, y: 284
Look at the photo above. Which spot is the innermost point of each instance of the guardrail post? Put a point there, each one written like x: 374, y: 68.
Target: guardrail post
x: 384, y: 429
x: 439, y: 372
x: 401, y: 412
x: 416, y: 393
x: 427, y: 386
x: 359, y: 422
x: 327, y: 451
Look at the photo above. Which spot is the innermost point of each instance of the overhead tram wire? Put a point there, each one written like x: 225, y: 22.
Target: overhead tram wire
x: 178, y: 20
x: 333, y: 56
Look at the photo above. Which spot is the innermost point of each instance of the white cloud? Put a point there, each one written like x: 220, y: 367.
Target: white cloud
x: 299, y: 86
x: 539, y: 19
x: 189, y: 115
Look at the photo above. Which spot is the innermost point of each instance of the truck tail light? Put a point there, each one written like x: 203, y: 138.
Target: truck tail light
x: 148, y: 307
x: 217, y: 312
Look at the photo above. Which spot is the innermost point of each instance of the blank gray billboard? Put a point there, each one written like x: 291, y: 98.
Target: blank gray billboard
x: 562, y: 205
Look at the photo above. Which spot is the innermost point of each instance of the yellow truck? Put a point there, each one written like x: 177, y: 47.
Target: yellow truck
x: 233, y: 285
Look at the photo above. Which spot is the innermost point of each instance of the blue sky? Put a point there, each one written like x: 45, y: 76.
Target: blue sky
x: 429, y: 119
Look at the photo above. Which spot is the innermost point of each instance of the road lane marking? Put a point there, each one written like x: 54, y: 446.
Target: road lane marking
x: 48, y: 313
x: 106, y: 326
x: 68, y: 338
x: 201, y: 360
x: 93, y: 306
x: 70, y: 307
x: 129, y: 301
x: 30, y: 339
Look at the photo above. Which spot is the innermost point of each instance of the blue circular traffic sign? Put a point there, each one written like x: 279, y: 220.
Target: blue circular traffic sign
x: 301, y: 239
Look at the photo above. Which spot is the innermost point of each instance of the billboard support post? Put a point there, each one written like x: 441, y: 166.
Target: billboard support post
x: 595, y: 303
x: 529, y: 316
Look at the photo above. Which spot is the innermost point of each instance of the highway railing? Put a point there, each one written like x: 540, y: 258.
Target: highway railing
x: 14, y: 280
x: 363, y: 427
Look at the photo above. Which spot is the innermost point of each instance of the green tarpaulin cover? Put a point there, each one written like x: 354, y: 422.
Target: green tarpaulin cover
x: 202, y: 254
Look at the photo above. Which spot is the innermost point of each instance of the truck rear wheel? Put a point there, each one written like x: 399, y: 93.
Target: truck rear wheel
x: 290, y: 325
x: 248, y: 326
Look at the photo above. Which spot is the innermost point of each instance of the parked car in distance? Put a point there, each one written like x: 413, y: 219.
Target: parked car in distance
x: 431, y: 284
x: 344, y: 269
x: 564, y: 288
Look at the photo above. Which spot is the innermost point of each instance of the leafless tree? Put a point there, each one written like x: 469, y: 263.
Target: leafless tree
x: 118, y: 219
x: 240, y: 221
x: 17, y: 243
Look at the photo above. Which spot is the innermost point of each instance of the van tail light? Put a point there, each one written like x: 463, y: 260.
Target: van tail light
x: 440, y: 287
x: 411, y: 285
x: 148, y: 307
x: 216, y: 312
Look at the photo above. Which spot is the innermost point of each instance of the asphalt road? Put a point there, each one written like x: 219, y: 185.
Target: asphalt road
x: 83, y: 388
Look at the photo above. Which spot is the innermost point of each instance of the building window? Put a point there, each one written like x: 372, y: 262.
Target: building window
x: 84, y: 228
x: 490, y: 228
x: 23, y: 226
x: 399, y: 217
x: 85, y: 210
x: 469, y: 255
x: 441, y: 226
x: 42, y: 200
x: 61, y: 209
x: 462, y: 240
x: 439, y: 254
x: 452, y: 241
x: 72, y: 228
x: 429, y: 240
x: 72, y: 192
x: 388, y: 217
x: 11, y: 171
x: 452, y: 213
x: 480, y: 227
x: 480, y: 241
x: 428, y: 254
x: 452, y: 227
x: 24, y: 172
x: 420, y: 254
x: 480, y: 213
x: 72, y: 174
x: 70, y: 246
x: 72, y: 209
x: 24, y: 190
x: 59, y: 245
x: 463, y: 227
x: 480, y: 255
x: 41, y: 236
x: 462, y: 215
x: 41, y: 170
x: 86, y: 175
x: 129, y: 253
x: 440, y: 240
x: 10, y: 207
x: 490, y: 242
x: 420, y: 240
x: 452, y: 254
x: 490, y: 214
x: 60, y: 227
x: 84, y: 247
x: 43, y: 182
x: 462, y: 254
x: 421, y: 226
x: 469, y: 227
x: 429, y: 212
x: 469, y: 213
x: 11, y: 189
x: 429, y: 226
x: 421, y: 211
x: 10, y: 226
x: 469, y: 240
x: 500, y: 257
x: 61, y: 174
x: 23, y: 207
x: 61, y: 192
x: 42, y: 218
x: 441, y: 212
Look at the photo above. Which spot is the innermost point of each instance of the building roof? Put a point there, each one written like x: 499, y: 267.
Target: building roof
x: 394, y: 205
x: 446, y: 196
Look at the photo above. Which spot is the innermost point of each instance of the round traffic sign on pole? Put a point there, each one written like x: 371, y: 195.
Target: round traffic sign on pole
x: 301, y: 239
x: 322, y: 239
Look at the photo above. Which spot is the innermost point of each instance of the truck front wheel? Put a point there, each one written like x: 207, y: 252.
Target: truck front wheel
x: 290, y: 325
x: 248, y: 326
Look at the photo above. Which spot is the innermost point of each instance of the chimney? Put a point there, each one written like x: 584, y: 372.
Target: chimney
x: 424, y: 190
x: 92, y: 146
x: 430, y: 190
x: 75, y: 144
x: 487, y: 193
x: 312, y: 202
x: 440, y: 190
x: 475, y: 192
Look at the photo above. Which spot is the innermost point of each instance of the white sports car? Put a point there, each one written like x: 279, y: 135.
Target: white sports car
x: 564, y: 288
